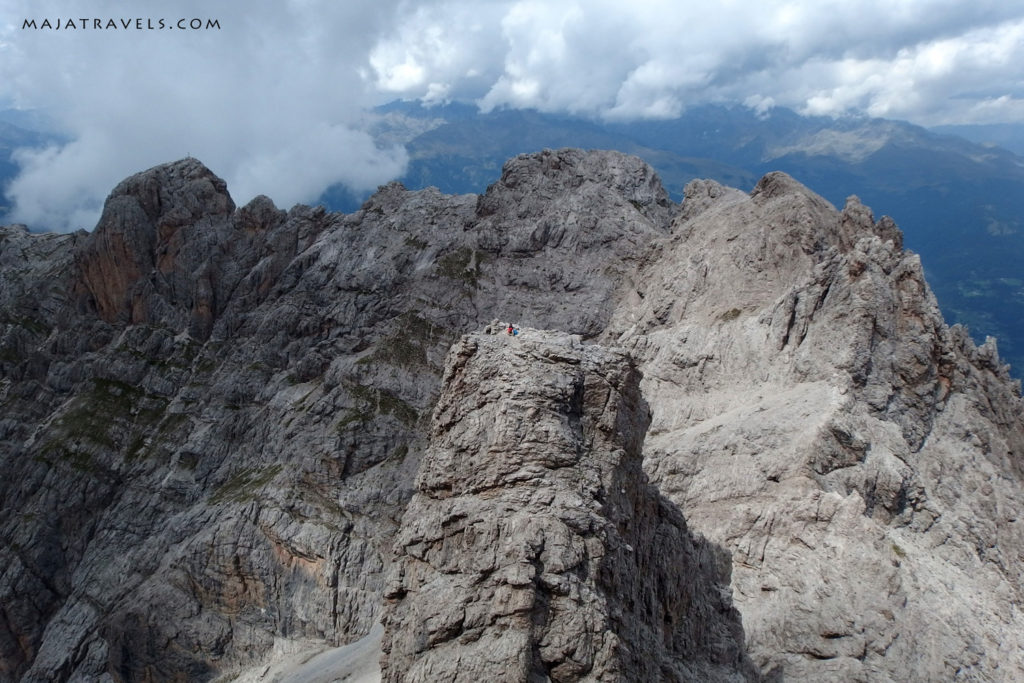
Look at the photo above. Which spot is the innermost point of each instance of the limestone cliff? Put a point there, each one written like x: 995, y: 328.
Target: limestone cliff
x: 814, y: 415
x: 534, y: 547
x: 212, y: 419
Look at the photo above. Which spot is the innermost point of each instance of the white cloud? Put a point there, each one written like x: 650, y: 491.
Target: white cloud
x: 760, y: 104
x: 929, y: 61
x: 449, y: 47
x: 273, y: 100
x: 945, y: 80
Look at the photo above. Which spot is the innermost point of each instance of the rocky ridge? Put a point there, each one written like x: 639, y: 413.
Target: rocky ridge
x: 534, y: 548
x: 213, y: 418
x: 814, y: 415
x: 207, y: 451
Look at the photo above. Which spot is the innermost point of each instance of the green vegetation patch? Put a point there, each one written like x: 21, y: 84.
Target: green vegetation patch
x: 191, y: 350
x: 76, y: 459
x: 139, y: 449
x: 407, y: 346
x: 352, y: 419
x: 244, y: 484
x: 386, y: 403
x: 374, y: 402
x: 400, y: 452
x: 96, y: 412
x: 206, y: 365
x: 400, y: 350
x: 463, y: 264
x: 422, y: 328
x: 115, y: 394
x: 180, y: 358
x: 87, y: 423
x: 30, y: 324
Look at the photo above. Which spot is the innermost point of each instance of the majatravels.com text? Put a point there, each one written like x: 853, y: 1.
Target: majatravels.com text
x: 136, y: 24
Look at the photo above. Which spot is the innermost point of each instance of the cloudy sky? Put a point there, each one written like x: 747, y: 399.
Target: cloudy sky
x: 274, y: 100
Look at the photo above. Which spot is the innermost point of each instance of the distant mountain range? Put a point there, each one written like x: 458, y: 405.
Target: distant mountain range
x: 1006, y: 135
x: 960, y: 203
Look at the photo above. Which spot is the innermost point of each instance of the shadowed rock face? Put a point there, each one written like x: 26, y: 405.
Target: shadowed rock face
x: 814, y: 415
x: 534, y: 548
x: 212, y: 419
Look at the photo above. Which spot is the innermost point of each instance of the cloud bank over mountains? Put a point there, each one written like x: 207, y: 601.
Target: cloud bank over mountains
x: 275, y: 99
x: 928, y: 61
x: 271, y: 101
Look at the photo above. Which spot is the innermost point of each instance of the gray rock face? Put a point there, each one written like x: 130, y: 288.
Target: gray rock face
x: 814, y: 415
x: 212, y: 419
x: 534, y: 548
x: 143, y: 260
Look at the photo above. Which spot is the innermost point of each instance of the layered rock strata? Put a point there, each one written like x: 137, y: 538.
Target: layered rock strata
x: 212, y: 417
x: 535, y: 549
x: 812, y: 413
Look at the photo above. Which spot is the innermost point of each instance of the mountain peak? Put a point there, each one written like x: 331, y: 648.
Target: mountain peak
x: 150, y: 220
x: 215, y: 433
x: 559, y: 172
x: 169, y: 195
